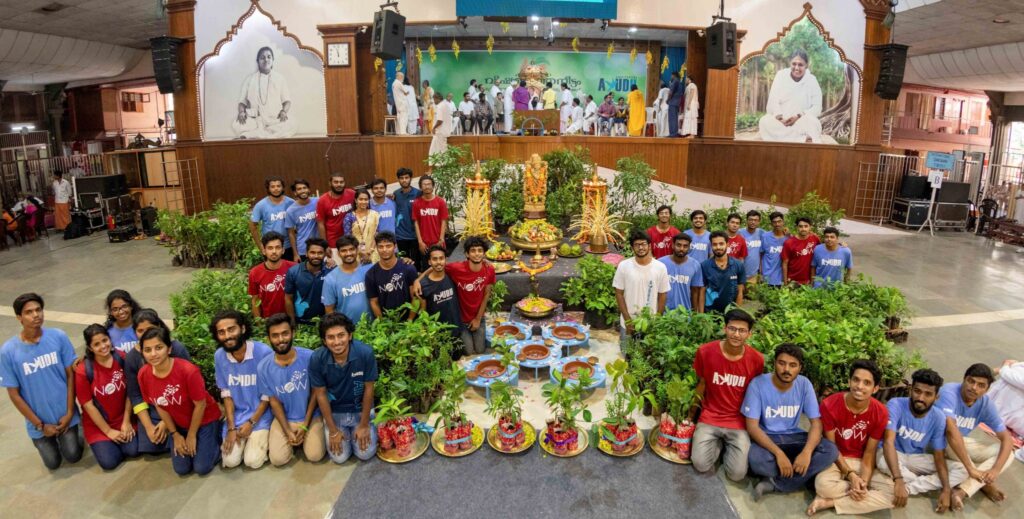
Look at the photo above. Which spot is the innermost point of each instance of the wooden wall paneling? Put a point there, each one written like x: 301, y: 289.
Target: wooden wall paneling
x: 371, y: 90
x: 720, y: 98
x: 340, y: 83
x: 180, y: 21
x: 872, y: 107
x: 697, y: 67
x: 391, y: 153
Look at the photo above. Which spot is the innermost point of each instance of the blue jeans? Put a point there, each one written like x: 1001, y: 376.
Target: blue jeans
x: 763, y: 462
x: 55, y: 449
x: 146, y: 446
x: 110, y: 454
x: 347, y: 423
x: 207, y: 454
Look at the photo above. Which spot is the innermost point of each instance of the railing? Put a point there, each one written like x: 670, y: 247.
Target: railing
x: 939, y: 124
x: 35, y: 176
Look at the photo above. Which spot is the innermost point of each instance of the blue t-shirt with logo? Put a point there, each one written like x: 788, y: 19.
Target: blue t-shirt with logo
x: 830, y: 265
x: 388, y: 213
x: 306, y: 289
x: 700, y: 245
x: 390, y: 287
x: 779, y: 412
x: 271, y: 216
x: 38, y: 371
x: 753, y: 260
x: 344, y: 383
x: 347, y: 293
x: 771, y: 257
x: 302, y: 218
x: 238, y: 381
x: 404, y: 229
x: 122, y: 339
x: 915, y: 435
x: 288, y: 384
x: 681, y: 278
x: 967, y: 418
x: 721, y: 286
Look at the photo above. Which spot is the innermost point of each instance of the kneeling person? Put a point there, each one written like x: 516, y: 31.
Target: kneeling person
x: 284, y: 380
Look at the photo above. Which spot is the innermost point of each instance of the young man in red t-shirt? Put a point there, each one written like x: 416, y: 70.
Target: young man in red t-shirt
x: 724, y: 369
x: 330, y: 213
x: 798, y: 252
x: 266, y: 280
x: 473, y: 281
x: 662, y: 233
x: 736, y: 245
x: 855, y: 422
x: 429, y: 217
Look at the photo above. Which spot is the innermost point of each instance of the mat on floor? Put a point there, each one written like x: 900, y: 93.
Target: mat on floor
x: 492, y: 485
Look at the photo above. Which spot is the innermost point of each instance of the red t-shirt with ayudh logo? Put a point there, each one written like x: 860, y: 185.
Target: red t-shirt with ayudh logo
x: 177, y: 392
x: 268, y: 285
x: 331, y: 211
x: 853, y: 430
x: 429, y: 214
x: 725, y: 383
x: 470, y: 286
x: 108, y: 389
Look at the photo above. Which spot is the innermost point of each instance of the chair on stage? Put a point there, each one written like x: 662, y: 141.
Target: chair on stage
x: 651, y: 123
x: 603, y: 127
x: 393, y: 121
x: 456, y: 125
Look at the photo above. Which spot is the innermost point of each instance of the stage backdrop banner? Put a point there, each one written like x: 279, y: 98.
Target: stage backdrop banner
x: 585, y: 72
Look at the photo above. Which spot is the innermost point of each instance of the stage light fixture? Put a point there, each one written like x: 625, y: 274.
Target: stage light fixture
x: 536, y: 27
x: 632, y: 29
x: 535, y: 18
x: 555, y: 23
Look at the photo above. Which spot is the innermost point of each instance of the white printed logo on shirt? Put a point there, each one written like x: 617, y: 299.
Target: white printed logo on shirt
x: 358, y: 288
x: 246, y: 380
x: 428, y: 211
x: 858, y: 431
x: 728, y: 379
x: 299, y: 382
x: 783, y: 411
x: 341, y: 209
x: 40, y: 362
x: 116, y: 384
x: 910, y: 434
x: 275, y: 285
x: 170, y: 396
x: 474, y: 286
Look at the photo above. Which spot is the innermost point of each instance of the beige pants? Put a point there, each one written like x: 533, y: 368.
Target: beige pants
x: 314, y: 446
x: 252, y: 450
x: 984, y: 456
x: 830, y: 485
x: 919, y: 472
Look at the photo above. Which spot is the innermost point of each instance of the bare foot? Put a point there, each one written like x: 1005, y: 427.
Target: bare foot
x: 819, y: 504
x: 956, y: 500
x: 993, y: 492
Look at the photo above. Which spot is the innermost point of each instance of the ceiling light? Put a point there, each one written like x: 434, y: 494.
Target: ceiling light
x: 1000, y: 20
x: 535, y: 18
x: 17, y: 127
x: 632, y: 29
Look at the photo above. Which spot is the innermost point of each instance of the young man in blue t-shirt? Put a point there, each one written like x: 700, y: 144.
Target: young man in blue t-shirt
x: 783, y: 454
x: 830, y: 261
x: 345, y: 287
x: 700, y: 238
x: 304, y: 283
x: 343, y: 374
x: 752, y: 235
x: 385, y: 207
x: 915, y: 426
x: 684, y: 276
x: 724, y: 276
x: 283, y: 380
x: 389, y: 281
x: 405, y: 232
x: 35, y: 367
x: 966, y: 406
x: 300, y: 219
x: 269, y: 213
x: 771, y: 250
x: 246, y: 420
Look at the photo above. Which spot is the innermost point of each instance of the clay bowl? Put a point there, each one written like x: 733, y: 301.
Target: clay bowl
x: 592, y: 360
x: 535, y: 351
x: 571, y: 369
x: 565, y: 332
x: 506, y: 329
x: 491, y: 368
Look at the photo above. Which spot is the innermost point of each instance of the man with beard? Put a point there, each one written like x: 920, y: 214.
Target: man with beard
x: 915, y: 426
x: 266, y: 280
x: 831, y: 262
x: 389, y: 281
x: 783, y: 454
x: 343, y: 374
x: 855, y: 422
x: 737, y: 246
x: 384, y: 206
x: 771, y: 245
x: 268, y: 215
x: 639, y: 282
x: 300, y: 219
x: 752, y: 236
x: 684, y: 276
x: 798, y: 252
x: 283, y: 380
x: 235, y: 363
x: 304, y: 284
x: 473, y: 280
x: 700, y: 244
x: 724, y: 277
x: 966, y: 406
x: 404, y: 230
x: 331, y: 210
x: 345, y: 287
x: 663, y: 234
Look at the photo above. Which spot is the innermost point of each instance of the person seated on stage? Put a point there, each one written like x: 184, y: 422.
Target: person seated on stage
x: 967, y: 406
x: 465, y: 113
x: 606, y: 113
x: 915, y: 426
x: 621, y: 116
x: 794, y: 104
x: 264, y: 102
x: 576, y: 118
x: 1007, y: 395
x: 589, y: 115
x: 483, y: 116
x: 783, y: 454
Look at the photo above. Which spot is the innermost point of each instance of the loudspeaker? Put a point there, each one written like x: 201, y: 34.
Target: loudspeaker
x: 890, y: 72
x: 168, y: 74
x: 388, y: 34
x: 915, y: 187
x: 721, y: 45
x: 954, y: 193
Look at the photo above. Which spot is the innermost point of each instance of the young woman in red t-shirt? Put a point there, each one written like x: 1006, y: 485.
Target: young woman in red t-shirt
x: 175, y: 387
x: 102, y: 392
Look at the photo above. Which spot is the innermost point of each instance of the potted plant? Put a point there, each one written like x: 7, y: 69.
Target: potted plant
x: 619, y: 428
x: 506, y: 407
x: 676, y: 430
x: 566, y: 402
x: 458, y: 430
x: 592, y: 289
x: 394, y: 426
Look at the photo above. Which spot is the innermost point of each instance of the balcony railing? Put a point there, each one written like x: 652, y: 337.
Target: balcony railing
x: 938, y: 124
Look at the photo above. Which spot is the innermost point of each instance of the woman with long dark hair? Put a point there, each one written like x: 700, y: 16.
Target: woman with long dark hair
x: 102, y: 392
x: 154, y: 434
x: 121, y: 307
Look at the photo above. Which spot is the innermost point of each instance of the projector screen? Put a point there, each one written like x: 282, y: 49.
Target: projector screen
x: 597, y: 9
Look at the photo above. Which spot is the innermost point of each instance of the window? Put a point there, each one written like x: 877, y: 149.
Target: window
x: 133, y: 101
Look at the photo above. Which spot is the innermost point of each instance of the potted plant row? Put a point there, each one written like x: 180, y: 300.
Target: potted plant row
x: 395, y: 430
x: 458, y: 435
x: 510, y: 434
x: 675, y: 430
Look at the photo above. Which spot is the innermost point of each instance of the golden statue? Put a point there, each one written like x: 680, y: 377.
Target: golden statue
x: 535, y: 188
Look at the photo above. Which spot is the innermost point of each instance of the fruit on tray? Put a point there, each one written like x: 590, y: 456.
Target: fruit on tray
x: 535, y: 304
x: 500, y: 251
x: 535, y: 231
x: 570, y: 250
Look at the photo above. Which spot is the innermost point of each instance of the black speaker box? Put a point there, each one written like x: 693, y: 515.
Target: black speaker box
x: 954, y: 193
x: 108, y: 186
x: 388, y: 34
x: 915, y: 188
x: 890, y: 72
x: 721, y: 46
x: 166, y: 68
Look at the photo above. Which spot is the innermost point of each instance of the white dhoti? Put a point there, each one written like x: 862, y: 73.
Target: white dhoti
x: 439, y: 143
x: 661, y: 121
x: 401, y: 119
x: 689, y: 126
x: 566, y: 113
x: 805, y: 129
x: 789, y: 97
x: 258, y: 128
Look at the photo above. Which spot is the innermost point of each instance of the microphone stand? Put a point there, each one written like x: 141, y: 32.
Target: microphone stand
x: 327, y: 153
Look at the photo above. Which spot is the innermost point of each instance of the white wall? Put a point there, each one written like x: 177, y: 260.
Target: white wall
x: 1014, y: 99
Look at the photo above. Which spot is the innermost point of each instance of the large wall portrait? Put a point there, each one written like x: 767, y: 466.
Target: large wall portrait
x: 799, y: 89
x: 261, y: 84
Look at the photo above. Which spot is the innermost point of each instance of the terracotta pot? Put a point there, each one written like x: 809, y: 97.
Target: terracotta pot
x: 564, y: 332
x: 535, y: 352
x: 491, y: 368
x: 571, y: 369
x: 506, y: 329
x: 684, y: 431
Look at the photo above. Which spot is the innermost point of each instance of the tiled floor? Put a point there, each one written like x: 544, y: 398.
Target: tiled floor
x: 944, y: 277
